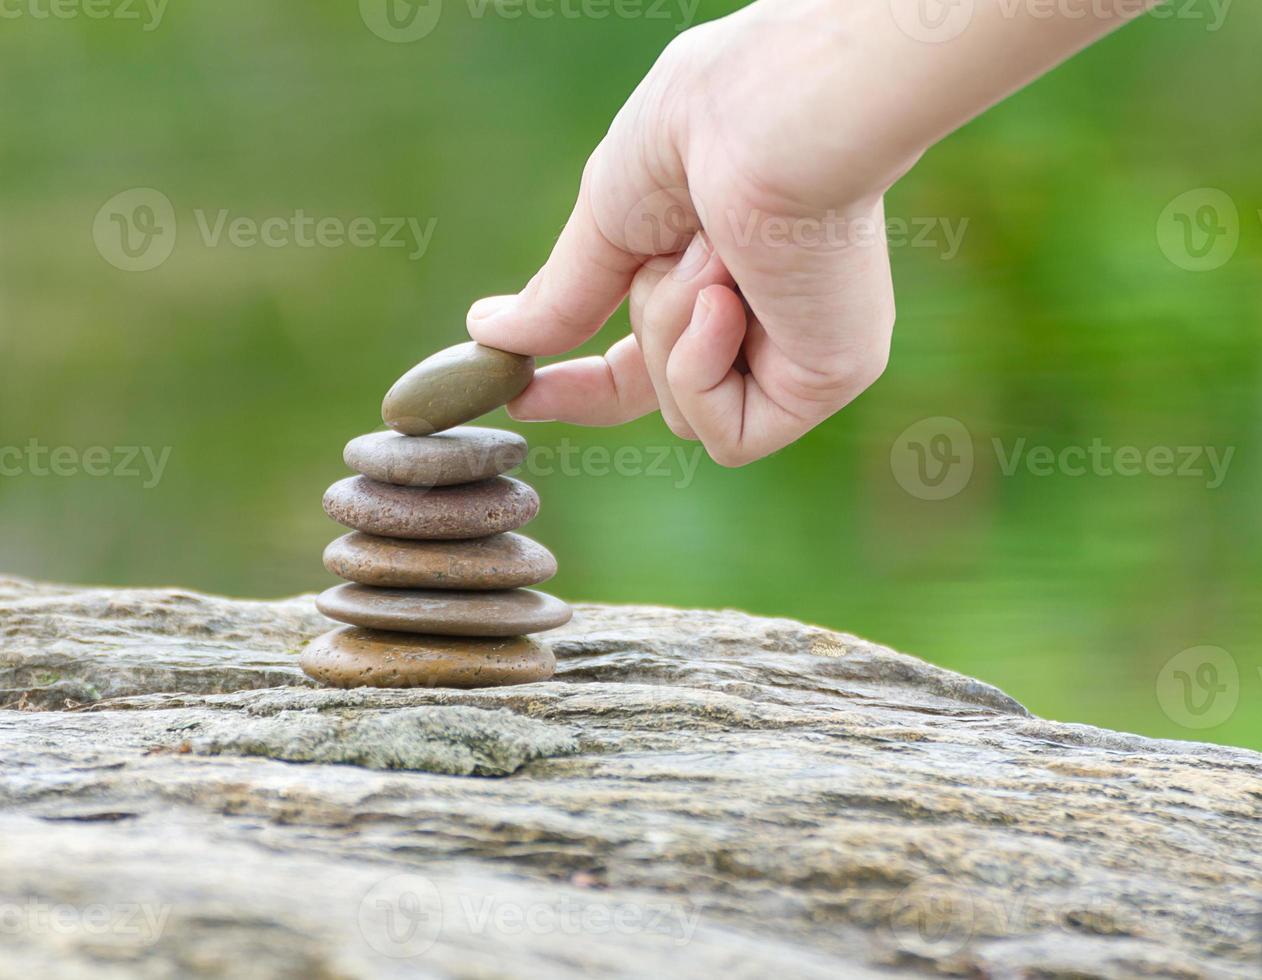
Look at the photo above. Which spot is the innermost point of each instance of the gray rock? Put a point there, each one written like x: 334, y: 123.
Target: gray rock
x: 447, y: 612
x: 694, y: 794
x: 461, y: 455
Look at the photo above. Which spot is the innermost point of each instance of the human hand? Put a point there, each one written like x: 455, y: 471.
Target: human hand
x: 738, y: 199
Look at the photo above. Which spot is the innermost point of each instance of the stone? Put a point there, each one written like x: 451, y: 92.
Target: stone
x: 445, y: 612
x: 455, y: 386
x: 461, y: 455
x: 700, y: 793
x: 501, y: 561
x: 467, y: 510
x: 356, y: 657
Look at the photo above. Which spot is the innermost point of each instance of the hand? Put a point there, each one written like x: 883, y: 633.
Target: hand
x: 738, y: 199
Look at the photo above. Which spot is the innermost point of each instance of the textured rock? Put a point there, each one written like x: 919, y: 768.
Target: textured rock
x: 694, y: 794
x: 445, y: 612
x: 461, y: 455
x: 356, y: 657
x: 470, y: 510
x: 455, y: 386
x: 501, y: 561
x: 443, y: 740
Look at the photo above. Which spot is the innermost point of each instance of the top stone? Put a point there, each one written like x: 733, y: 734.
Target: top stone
x: 455, y: 386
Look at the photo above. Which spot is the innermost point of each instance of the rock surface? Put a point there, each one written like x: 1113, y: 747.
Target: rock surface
x: 694, y: 794
x: 356, y: 657
x: 470, y: 510
x: 512, y: 612
x: 455, y: 386
x: 501, y: 561
x: 461, y: 455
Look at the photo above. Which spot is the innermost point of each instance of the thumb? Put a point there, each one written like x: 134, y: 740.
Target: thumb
x: 580, y: 286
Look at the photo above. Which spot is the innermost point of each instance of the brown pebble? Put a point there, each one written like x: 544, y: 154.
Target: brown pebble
x: 502, y: 561
x: 447, y: 613
x: 354, y: 657
x: 461, y: 455
x: 467, y: 510
x: 455, y: 386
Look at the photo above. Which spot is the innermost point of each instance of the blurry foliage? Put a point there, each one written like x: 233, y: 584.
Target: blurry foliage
x: 1058, y: 322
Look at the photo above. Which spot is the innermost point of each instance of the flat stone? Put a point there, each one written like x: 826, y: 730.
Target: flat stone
x: 467, y: 510
x: 502, y: 561
x: 354, y: 657
x: 448, y: 613
x: 461, y: 455
x: 455, y: 386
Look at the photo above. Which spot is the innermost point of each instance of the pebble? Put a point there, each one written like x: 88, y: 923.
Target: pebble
x: 468, y: 510
x: 455, y: 386
x: 448, y: 613
x: 460, y: 455
x: 502, y: 561
x: 354, y: 657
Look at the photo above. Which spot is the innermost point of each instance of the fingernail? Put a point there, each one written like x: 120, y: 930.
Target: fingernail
x: 701, y: 312
x: 517, y: 415
x: 484, y: 309
x: 694, y: 259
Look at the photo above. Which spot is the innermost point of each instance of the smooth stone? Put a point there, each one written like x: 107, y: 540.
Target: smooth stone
x: 446, y: 613
x: 354, y: 657
x: 460, y: 455
x: 455, y: 386
x: 467, y: 510
x: 502, y: 561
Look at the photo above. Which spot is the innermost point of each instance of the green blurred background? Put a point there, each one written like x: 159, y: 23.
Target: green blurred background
x: 1060, y: 320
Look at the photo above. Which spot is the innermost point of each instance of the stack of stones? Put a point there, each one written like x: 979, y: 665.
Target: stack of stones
x: 436, y: 594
